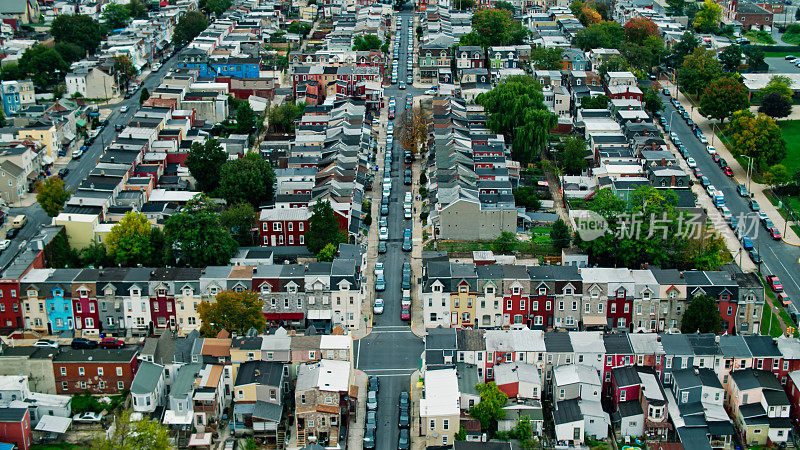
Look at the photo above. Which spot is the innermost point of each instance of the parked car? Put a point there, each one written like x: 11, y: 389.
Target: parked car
x: 373, y: 384
x: 754, y: 206
x: 110, y: 342
x: 727, y: 171
x: 755, y: 256
x: 382, y: 247
x: 63, y: 173
x: 372, y: 400
x: 383, y: 234
x: 230, y: 444
x: 403, y: 442
x: 380, y: 283
x: 742, y: 190
x: 691, y: 163
x: 83, y: 343
x: 4, y: 244
x: 119, y: 127
x: 12, y: 233
x: 775, y: 234
x: 377, y: 307
x: 378, y: 267
x: 87, y: 417
x: 405, y: 314
x: 45, y: 343
x: 774, y: 283
x: 404, y: 420
x: 77, y: 153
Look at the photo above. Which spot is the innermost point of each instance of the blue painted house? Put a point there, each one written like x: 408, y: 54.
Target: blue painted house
x: 236, y: 67
x: 16, y: 94
x: 58, y: 289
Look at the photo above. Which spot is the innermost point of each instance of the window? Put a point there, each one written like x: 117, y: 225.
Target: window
x: 560, y: 306
x: 561, y: 394
x: 445, y: 424
x: 542, y: 291
x: 432, y: 424
x: 303, y: 399
x: 547, y: 306
x: 599, y: 308
x: 626, y: 308
x: 685, y: 396
x: 120, y: 385
x: 119, y: 371
x: 81, y: 371
x: 64, y: 385
x: 534, y: 306
x: 613, y: 308
x: 101, y: 384
x: 63, y: 371
x: 587, y: 308
x: 83, y: 384
x: 574, y: 306
x: 99, y: 371
x: 785, y: 365
x: 277, y: 226
x: 508, y: 304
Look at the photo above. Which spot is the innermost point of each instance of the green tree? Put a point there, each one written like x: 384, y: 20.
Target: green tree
x: 490, y: 409
x: 323, y: 228
x: 756, y: 136
x: 547, y: 58
x: 217, y: 7
x: 698, y: 70
x: 494, y: 27
x: 731, y: 57
x: 645, y: 55
x: 129, y: 240
x: 707, y: 19
x: 69, y: 52
x: 2, y: 118
x: 77, y: 29
x: 189, y: 26
x: 600, y: 35
x: 683, y: 48
x: 779, y: 84
x: 722, y: 97
x: 141, y: 434
x: 505, y: 243
x: 366, y: 42
x: 755, y: 57
x: 115, y: 16
x: 144, y: 96
x: 504, y: 5
x: 95, y: 255
x: 205, y: 163
x: 675, y: 7
x: 245, y: 118
x: 463, y: 5
x: 573, y: 158
x: 196, y: 238
x: 526, y: 197
x: 59, y: 254
x: 239, y: 220
x: 775, y: 105
x: 597, y: 102
x: 613, y: 63
x: 516, y: 108
x: 138, y: 9
x: 523, y: 431
x: 327, y: 253
x: 124, y: 69
x: 560, y: 235
x: 281, y: 118
x: 232, y: 311
x: 43, y: 65
x: 298, y: 27
x: 702, y: 315
x: 51, y: 194
x: 652, y: 101
x: 248, y: 179
x: 777, y: 175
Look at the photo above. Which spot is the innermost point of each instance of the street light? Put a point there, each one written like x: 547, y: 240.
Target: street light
x: 749, y: 166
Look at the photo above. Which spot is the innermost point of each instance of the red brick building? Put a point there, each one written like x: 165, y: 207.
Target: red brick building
x: 98, y: 371
x: 15, y: 427
x: 283, y: 226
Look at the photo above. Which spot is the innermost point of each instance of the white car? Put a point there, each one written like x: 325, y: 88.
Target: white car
x: 378, y: 268
x: 87, y: 417
x: 407, y: 214
x: 691, y: 163
x: 45, y: 343
x: 4, y: 244
x: 711, y: 150
x: 383, y: 234
x: 430, y: 92
x: 124, y: 109
x: 377, y: 308
x: 712, y: 191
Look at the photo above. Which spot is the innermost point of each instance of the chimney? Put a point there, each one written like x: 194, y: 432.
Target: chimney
x: 257, y: 373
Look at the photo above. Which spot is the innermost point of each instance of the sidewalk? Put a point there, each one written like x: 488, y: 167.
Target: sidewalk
x: 417, y: 441
x: 739, y: 173
x: 417, y: 321
x: 355, y: 430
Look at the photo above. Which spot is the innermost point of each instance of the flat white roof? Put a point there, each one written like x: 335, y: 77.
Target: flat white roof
x: 441, y: 394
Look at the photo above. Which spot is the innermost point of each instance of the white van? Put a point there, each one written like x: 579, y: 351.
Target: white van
x: 19, y: 221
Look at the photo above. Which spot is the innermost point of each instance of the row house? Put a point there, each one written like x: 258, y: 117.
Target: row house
x: 323, y: 401
x: 98, y: 371
x: 434, y: 55
x: 283, y: 226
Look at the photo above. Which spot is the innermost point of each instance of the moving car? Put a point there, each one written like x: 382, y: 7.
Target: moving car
x: 45, y: 343
x: 774, y: 282
x: 83, y: 343
x: 377, y: 307
x: 124, y: 109
x: 784, y: 298
x: 63, y: 173
x: 12, y: 233
x: 110, y: 342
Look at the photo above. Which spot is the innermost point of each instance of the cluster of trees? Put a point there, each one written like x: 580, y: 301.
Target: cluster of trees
x: 216, y: 7
x: 249, y: 179
x: 367, y: 42
x: 590, y: 12
x: 516, y: 108
x: 117, y: 15
x: 650, y: 230
x: 234, y: 312
x: 281, y: 118
x: 188, y: 27
x: 413, y: 129
x: 547, y: 58
x: 570, y: 154
x: 490, y: 410
x: 720, y: 93
x: 493, y: 26
x: 756, y: 136
x: 702, y: 315
x: 247, y: 120
x: 323, y: 235
x: 638, y: 42
x: 298, y: 27
x: 129, y: 434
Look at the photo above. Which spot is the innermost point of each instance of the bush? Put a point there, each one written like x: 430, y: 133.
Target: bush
x: 423, y: 191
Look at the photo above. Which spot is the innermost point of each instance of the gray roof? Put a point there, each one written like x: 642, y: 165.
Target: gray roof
x: 184, y: 380
x: 567, y: 411
x: 617, y: 344
x: 762, y: 346
x: 95, y: 355
x: 734, y: 347
x: 626, y: 376
x: 268, y: 373
x: 268, y: 411
x: 441, y: 339
x: 12, y: 414
x: 629, y: 408
x: 146, y: 379
x: 557, y: 342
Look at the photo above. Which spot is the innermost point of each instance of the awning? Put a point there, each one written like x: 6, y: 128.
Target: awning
x: 594, y: 321
x: 171, y: 418
x: 320, y: 314
x: 283, y: 316
x: 53, y: 424
x: 199, y: 439
x: 46, y: 160
x: 80, y: 123
x: 265, y: 426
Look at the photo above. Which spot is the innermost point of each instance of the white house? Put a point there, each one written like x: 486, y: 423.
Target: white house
x: 148, y: 387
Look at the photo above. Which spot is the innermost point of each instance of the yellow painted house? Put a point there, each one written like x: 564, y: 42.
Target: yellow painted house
x: 45, y: 134
x: 462, y: 305
x: 79, y: 228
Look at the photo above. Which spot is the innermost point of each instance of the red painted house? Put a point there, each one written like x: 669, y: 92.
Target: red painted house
x: 620, y: 308
x: 619, y: 353
x: 10, y: 309
x: 542, y: 298
x: 793, y: 391
x: 790, y: 360
x: 515, y: 303
x: 85, y: 309
x: 162, y: 298
x: 625, y: 385
x: 15, y: 427
x: 98, y: 371
x: 283, y: 226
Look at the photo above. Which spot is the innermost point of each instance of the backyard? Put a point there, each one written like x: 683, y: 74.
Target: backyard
x: 539, y: 244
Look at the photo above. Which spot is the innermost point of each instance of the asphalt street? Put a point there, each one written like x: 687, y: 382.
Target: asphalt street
x: 80, y: 168
x: 391, y: 351
x: 779, y: 258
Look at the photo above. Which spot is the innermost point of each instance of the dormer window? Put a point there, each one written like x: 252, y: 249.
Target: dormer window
x: 568, y: 291
x: 646, y: 295
x: 266, y: 288
x: 462, y: 288
x: 489, y: 290
x: 515, y: 290
x: 187, y: 292
x: 162, y: 292
x: 238, y: 289
x: 32, y: 293
x: 291, y: 289
x: 213, y: 290
x: 620, y: 293
x: 542, y: 291
x: 437, y: 289
x: 135, y: 292
x: 84, y: 293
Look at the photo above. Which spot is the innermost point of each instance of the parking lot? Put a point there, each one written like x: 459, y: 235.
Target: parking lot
x: 781, y: 65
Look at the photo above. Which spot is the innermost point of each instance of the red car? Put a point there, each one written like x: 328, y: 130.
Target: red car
x: 784, y: 298
x: 716, y: 158
x: 110, y: 342
x: 727, y: 171
x: 775, y: 233
x: 775, y: 283
x: 405, y: 314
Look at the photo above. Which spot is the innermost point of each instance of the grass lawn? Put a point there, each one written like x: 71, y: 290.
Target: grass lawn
x: 539, y: 246
x: 791, y: 134
x: 769, y: 324
x: 59, y: 446
x: 759, y: 36
x: 776, y: 54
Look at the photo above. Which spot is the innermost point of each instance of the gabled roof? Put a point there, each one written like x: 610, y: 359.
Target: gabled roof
x: 146, y: 378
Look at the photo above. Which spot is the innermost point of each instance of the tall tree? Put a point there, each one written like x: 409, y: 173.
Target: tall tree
x: 248, y: 179
x: 755, y: 56
x: 614, y: 63
x: 51, y: 195
x: 644, y: 56
x: 640, y: 28
x: 144, y: 96
x: 232, y: 311
x: 779, y: 84
x: 490, y: 409
x: 573, y: 158
x: 366, y: 42
x: 675, y: 7
x: 600, y: 35
x: 137, y: 9
x: 683, y: 48
x: 125, y: 70
x: 77, y: 29
x: 756, y: 136
x: 239, y: 220
x: 731, y: 57
x: 217, y: 7
x: 702, y: 315
x: 698, y: 70
x: 195, y: 237
x: 245, y: 118
x: 597, y: 102
x: 323, y: 228
x: 43, y: 65
x: 651, y: 99
x: 463, y: 5
x: 189, y: 26
x: 775, y: 105
x: 722, y: 97
x: 505, y: 243
x: 115, y: 15
x: 547, y: 58
x: 129, y: 240
x: 328, y: 253
x: 205, y: 163
x: 707, y: 19
x: 141, y: 434
x: 69, y: 52
x: 560, y: 235
x: 495, y: 27
x: 281, y: 118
